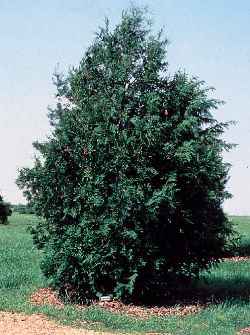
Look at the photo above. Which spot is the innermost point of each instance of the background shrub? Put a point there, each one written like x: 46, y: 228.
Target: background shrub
x: 5, y: 211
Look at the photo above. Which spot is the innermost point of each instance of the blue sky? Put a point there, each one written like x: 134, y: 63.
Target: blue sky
x: 209, y: 39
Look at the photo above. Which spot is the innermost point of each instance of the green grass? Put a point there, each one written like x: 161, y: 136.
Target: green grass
x: 228, y: 285
x: 242, y: 225
x: 19, y: 261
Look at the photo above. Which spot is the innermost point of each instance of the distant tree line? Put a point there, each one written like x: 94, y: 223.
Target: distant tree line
x: 23, y: 208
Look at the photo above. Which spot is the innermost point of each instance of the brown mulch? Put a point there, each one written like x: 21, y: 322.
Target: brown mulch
x: 237, y: 259
x: 36, y: 324
x: 145, y: 312
x: 244, y: 331
x: 47, y: 296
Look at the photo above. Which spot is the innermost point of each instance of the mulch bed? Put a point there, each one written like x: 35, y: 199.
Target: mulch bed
x: 244, y: 331
x: 46, y: 296
x: 145, y: 312
x: 237, y: 259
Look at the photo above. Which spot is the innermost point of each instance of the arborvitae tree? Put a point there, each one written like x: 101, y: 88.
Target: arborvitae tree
x: 5, y: 211
x: 131, y: 182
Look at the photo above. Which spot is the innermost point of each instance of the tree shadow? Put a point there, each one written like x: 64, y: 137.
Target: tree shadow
x: 216, y: 290
x: 208, y: 289
x: 221, y: 289
x: 244, y: 248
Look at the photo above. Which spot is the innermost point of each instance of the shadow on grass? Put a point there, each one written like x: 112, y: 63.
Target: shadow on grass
x: 229, y: 281
x: 244, y: 248
x: 220, y: 290
x: 213, y: 289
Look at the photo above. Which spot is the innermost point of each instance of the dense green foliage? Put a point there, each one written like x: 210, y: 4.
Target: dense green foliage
x: 131, y: 182
x: 5, y: 211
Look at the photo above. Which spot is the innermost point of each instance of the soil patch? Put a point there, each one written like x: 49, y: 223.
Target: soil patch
x: 36, y: 324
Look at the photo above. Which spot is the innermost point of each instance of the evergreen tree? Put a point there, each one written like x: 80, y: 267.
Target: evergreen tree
x: 132, y: 181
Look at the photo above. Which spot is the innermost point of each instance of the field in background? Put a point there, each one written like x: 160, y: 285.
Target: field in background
x: 242, y: 225
x: 228, y: 286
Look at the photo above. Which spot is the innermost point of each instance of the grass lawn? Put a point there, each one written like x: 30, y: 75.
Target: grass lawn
x: 229, y: 284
